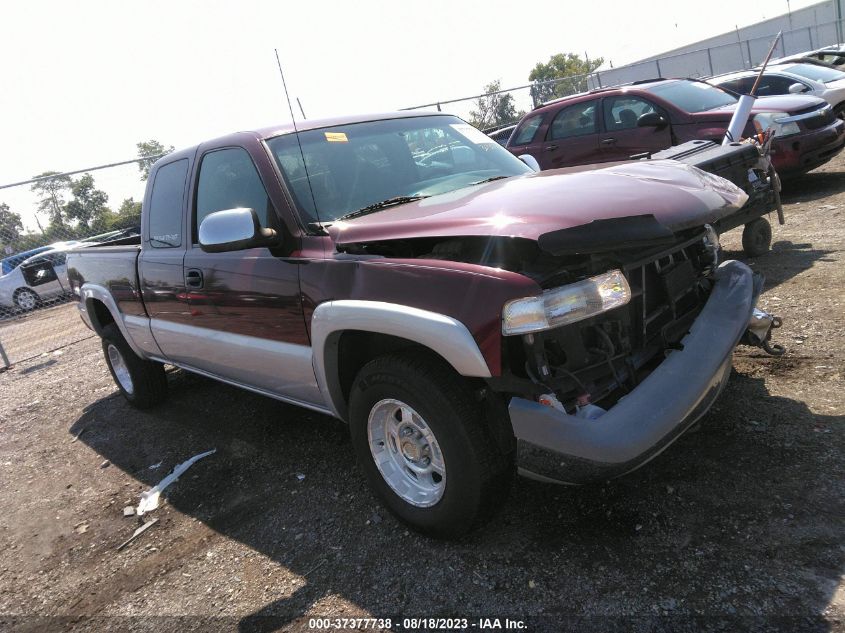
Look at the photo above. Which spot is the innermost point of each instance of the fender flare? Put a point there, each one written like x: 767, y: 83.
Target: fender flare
x: 442, y: 334
x: 94, y: 292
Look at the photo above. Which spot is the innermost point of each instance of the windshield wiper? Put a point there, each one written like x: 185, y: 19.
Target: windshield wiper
x: 481, y: 182
x: 378, y: 206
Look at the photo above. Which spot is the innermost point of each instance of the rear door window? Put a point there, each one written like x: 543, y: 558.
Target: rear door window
x: 165, y: 213
x: 228, y: 180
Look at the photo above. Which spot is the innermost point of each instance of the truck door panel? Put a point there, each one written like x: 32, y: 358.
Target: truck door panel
x: 245, y: 306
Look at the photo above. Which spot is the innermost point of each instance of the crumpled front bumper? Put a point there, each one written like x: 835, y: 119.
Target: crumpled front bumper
x: 554, y: 446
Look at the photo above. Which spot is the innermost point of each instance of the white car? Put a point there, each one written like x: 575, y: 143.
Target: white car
x: 790, y: 78
x: 831, y: 55
x: 37, y: 279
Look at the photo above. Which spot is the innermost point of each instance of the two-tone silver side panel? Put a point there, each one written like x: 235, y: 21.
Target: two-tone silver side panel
x: 440, y: 333
x: 271, y: 367
x: 234, y: 383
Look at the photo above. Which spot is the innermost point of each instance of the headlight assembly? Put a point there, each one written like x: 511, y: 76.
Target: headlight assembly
x: 567, y: 304
x: 772, y: 120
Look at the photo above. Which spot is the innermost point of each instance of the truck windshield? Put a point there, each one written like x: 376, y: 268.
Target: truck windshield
x: 693, y: 96
x: 360, y: 165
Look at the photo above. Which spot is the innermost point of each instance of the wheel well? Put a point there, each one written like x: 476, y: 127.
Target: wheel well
x: 355, y: 348
x: 99, y: 314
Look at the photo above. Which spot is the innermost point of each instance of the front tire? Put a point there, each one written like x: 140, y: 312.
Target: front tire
x: 142, y: 382
x: 423, y: 446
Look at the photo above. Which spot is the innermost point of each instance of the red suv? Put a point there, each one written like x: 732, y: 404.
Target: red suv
x: 612, y: 124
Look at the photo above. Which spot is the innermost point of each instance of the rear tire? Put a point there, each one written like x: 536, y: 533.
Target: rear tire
x: 26, y: 299
x: 142, y: 382
x: 757, y: 237
x: 422, y: 444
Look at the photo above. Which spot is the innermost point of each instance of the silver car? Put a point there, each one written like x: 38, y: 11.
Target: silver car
x: 37, y: 279
x: 790, y: 78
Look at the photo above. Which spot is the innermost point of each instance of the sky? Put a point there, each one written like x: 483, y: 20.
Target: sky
x: 82, y: 82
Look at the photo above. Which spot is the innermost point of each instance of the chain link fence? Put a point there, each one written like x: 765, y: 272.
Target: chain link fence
x: 41, y: 220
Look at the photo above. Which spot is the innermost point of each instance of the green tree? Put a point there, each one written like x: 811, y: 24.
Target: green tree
x: 569, y: 67
x: 51, y: 192
x: 88, y: 206
x: 493, y: 110
x: 128, y: 214
x: 150, y: 150
x: 11, y: 226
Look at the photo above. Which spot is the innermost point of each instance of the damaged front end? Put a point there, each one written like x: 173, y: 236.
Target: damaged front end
x: 617, y: 371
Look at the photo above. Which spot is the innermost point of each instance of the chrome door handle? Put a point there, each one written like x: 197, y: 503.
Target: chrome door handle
x: 193, y: 278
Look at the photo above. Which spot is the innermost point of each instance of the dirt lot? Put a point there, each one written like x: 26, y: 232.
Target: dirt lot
x: 739, y: 526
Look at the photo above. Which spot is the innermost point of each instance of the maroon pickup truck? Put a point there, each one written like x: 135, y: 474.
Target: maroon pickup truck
x: 465, y: 315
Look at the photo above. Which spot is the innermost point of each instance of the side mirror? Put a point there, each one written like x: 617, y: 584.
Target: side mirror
x: 234, y: 230
x: 797, y: 89
x: 529, y: 160
x: 652, y: 119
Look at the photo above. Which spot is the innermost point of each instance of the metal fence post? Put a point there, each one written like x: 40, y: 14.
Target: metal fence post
x: 5, y: 358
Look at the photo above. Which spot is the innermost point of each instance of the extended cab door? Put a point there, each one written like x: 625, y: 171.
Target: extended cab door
x: 622, y: 137
x: 160, y: 272
x: 245, y: 306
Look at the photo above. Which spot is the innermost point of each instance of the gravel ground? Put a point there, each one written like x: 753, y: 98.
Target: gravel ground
x: 739, y: 526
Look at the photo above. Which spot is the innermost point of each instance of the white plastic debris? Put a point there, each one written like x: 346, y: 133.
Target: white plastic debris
x: 156, y: 466
x: 149, y: 499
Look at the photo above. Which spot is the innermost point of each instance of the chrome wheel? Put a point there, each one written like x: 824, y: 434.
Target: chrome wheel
x: 26, y: 300
x: 406, y: 453
x: 121, y: 371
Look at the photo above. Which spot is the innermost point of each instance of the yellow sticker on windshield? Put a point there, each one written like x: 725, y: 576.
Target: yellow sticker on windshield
x: 336, y: 137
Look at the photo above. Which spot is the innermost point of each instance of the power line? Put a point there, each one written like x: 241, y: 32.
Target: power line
x: 82, y: 171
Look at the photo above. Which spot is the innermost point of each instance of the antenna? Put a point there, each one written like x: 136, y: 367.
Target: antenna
x: 300, y: 108
x: 296, y: 133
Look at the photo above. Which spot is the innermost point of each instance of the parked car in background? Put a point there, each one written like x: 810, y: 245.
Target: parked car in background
x: 8, y: 264
x: 501, y: 134
x: 612, y: 124
x: 830, y: 55
x: 790, y: 78
x: 38, y: 278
